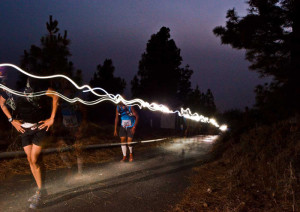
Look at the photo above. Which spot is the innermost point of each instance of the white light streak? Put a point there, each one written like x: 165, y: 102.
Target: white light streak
x: 223, y: 128
x: 153, y: 140
x: 186, y: 113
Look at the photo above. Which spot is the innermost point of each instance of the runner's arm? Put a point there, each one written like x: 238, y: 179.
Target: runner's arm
x: 16, y: 123
x: 116, y: 123
x: 49, y: 122
x: 4, y: 108
x: 136, y: 120
x: 136, y: 117
x: 54, y: 102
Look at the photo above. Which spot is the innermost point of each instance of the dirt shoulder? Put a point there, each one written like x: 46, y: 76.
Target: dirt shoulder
x: 257, y: 171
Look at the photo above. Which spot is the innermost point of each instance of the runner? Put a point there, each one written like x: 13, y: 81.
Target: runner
x: 30, y: 120
x: 71, y: 130
x: 129, y: 121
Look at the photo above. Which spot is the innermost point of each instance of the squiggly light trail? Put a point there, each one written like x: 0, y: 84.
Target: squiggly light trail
x: 186, y: 113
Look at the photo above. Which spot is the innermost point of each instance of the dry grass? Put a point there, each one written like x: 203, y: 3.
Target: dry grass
x: 207, y: 190
x: 256, y: 173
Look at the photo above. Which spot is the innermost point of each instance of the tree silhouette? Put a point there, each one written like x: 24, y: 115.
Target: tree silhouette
x: 184, y: 84
x: 270, y: 33
x: 52, y: 57
x: 209, y: 102
x: 160, y: 77
x: 195, y: 100
x: 104, y: 78
x: 201, y: 102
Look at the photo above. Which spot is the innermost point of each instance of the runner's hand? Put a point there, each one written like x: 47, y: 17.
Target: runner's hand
x: 132, y: 130
x: 17, y: 124
x: 47, y: 123
x: 115, y: 133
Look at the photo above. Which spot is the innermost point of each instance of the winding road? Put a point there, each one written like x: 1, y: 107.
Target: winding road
x: 155, y: 181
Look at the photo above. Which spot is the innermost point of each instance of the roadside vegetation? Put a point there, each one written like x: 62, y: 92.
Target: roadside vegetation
x: 257, y: 163
x: 257, y: 170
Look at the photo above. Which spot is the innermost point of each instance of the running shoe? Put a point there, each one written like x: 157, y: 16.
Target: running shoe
x: 32, y: 197
x: 123, y: 159
x: 36, y: 201
x: 130, y: 157
x: 42, y: 192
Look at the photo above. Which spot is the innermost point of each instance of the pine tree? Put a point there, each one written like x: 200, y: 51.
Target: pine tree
x: 160, y: 77
x: 104, y: 78
x: 52, y: 57
x: 270, y: 33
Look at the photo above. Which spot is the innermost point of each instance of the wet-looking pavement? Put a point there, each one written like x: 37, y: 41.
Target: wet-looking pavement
x: 153, y: 182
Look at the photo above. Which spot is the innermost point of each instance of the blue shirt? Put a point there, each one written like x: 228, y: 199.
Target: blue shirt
x: 127, y: 118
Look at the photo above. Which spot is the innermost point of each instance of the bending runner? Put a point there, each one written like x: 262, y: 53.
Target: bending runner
x: 129, y: 121
x: 32, y: 123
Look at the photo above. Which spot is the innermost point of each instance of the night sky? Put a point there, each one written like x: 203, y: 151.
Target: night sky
x: 120, y: 30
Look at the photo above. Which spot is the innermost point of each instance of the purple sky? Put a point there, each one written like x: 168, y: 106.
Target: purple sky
x: 120, y: 29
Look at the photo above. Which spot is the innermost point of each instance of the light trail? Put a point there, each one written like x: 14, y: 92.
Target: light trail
x: 186, y: 113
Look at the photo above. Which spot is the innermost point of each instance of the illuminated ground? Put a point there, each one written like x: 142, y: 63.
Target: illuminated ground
x: 153, y: 182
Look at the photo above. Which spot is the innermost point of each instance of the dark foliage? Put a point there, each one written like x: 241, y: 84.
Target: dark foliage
x: 201, y: 102
x: 104, y: 78
x: 270, y: 33
x: 52, y: 57
x: 160, y: 77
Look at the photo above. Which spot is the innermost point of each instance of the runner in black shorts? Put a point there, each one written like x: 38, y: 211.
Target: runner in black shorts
x: 126, y: 132
x: 32, y: 121
x: 33, y: 135
x: 129, y: 120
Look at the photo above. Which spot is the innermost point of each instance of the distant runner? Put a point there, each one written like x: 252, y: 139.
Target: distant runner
x: 32, y: 121
x: 129, y: 121
x: 70, y: 130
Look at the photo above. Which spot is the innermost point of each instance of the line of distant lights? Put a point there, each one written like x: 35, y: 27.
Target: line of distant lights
x: 186, y: 113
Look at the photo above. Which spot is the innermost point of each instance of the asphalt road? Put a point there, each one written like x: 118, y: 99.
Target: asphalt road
x: 155, y: 181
